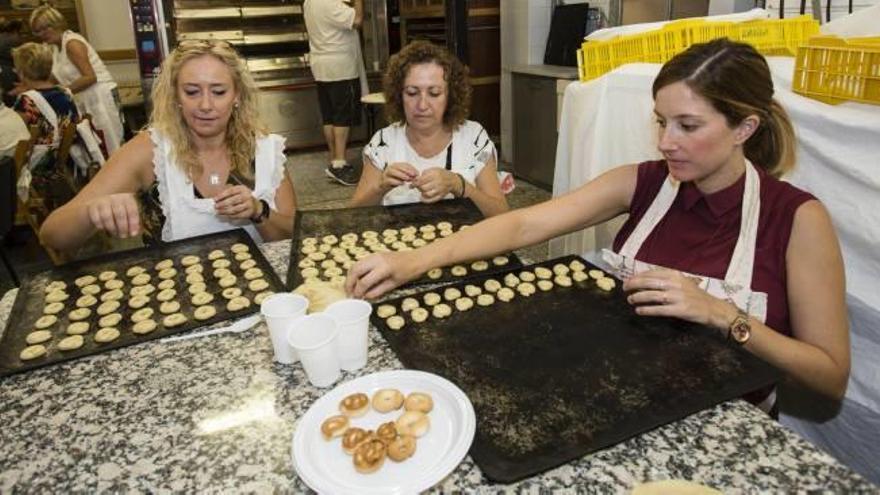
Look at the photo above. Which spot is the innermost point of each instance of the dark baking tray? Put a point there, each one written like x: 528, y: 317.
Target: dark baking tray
x: 29, y: 303
x: 311, y: 223
x: 563, y: 373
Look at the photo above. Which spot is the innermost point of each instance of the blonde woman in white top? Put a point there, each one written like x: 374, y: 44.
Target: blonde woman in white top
x: 77, y: 66
x: 206, y: 160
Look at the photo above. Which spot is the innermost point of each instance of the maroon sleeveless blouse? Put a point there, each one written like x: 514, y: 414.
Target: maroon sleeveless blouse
x: 699, y: 232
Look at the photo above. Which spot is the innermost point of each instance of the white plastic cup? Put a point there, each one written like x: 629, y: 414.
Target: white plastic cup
x: 314, y: 339
x: 353, y: 320
x: 280, y: 312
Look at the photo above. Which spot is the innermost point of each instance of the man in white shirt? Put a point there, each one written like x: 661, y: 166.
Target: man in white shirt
x: 334, y: 56
x: 12, y: 130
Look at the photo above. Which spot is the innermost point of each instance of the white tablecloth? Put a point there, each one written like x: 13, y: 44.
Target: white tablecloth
x: 609, y: 121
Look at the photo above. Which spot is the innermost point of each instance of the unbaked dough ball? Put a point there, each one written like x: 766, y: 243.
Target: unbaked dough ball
x: 114, y: 284
x: 47, y: 321
x: 577, y: 266
x: 91, y: 290
x: 189, y: 260
x: 238, y: 303
x: 38, y: 337
x: 545, y: 285
x: 135, y: 302
x: 142, y: 290
x: 419, y: 242
x: 409, y: 304
x: 107, y: 275
x: 86, y: 301
x: 205, y: 312
x: 32, y: 352
x: 485, y: 299
x: 526, y: 289
x: 53, y: 308
x: 258, y: 285
x: 79, y: 314
x: 464, y: 303
x: 166, y: 295
x: 107, y: 307
x: 500, y: 260
x: 194, y: 269
x: 141, y: 315
x: 480, y: 265
x: 459, y: 271
x: 431, y: 298
x: 105, y: 335
x: 385, y: 310
x: 579, y: 276
x: 247, y: 264
x: 560, y: 269
x: 194, y: 278
x: 231, y: 292
x: 239, y: 248
x: 78, y: 328
x: 57, y: 295
x: 441, y: 310
x: 543, y: 273
x: 606, y: 283
x: 247, y: 256
x: 444, y: 225
x: 70, y: 343
x: 451, y: 294
x: 134, y: 271
x: 259, y: 298
x: 505, y: 294
x: 472, y: 290
x: 511, y: 280
x: 169, y: 307
x: 255, y: 273
x: 163, y: 265
x: 173, y: 320
x: 145, y: 326
x: 141, y: 279
x: 110, y: 320
x: 113, y: 295
x: 202, y: 298
x: 166, y: 284
x: 492, y: 285
x: 227, y: 281
x: 563, y: 280
x: 596, y: 274
x: 419, y: 315
x: 527, y: 276
x: 168, y: 273
x: 395, y: 322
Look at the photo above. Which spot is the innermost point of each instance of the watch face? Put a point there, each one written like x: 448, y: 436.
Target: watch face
x: 740, y: 330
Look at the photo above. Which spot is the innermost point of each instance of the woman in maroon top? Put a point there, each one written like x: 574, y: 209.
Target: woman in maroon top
x: 711, y: 238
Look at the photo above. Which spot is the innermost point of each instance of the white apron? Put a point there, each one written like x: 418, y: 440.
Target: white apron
x: 97, y: 100
x: 188, y: 216
x: 736, y: 286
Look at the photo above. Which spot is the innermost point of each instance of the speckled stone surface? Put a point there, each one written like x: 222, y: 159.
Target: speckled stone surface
x: 215, y: 414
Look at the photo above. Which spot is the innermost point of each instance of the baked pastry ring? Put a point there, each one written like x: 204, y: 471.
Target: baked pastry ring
x: 402, y: 448
x: 413, y: 423
x: 352, y: 437
x: 387, y: 400
x: 387, y: 432
x: 355, y: 405
x: 369, y: 456
x: 334, y: 426
x: 419, y: 401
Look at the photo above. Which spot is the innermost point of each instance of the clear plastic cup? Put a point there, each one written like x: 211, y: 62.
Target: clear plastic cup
x: 314, y: 339
x: 280, y: 311
x: 353, y: 320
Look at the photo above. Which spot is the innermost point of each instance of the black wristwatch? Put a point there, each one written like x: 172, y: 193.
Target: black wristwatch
x: 264, y: 213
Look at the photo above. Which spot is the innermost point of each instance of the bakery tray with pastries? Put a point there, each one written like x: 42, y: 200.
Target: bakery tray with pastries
x: 326, y: 243
x: 125, y: 298
x: 557, y: 363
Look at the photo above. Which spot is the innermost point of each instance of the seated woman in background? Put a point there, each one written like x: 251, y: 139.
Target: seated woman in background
x: 45, y: 104
x: 431, y: 151
x: 78, y: 67
x: 767, y: 266
x: 206, y: 161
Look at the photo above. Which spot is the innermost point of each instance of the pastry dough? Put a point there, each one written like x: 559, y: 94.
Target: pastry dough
x: 91, y: 290
x: 227, y: 281
x: 492, y: 285
x: 106, y: 307
x: 543, y: 273
x: 79, y: 282
x: 441, y: 310
x: 173, y: 320
x: 244, y: 256
x: 107, y: 275
x: 527, y: 276
x: 606, y: 283
x: 464, y: 303
x: 70, y: 343
x: 168, y: 273
x: 563, y: 280
x: 142, y: 279
x: 419, y: 243
x: 259, y: 298
x: 500, y: 260
x: 431, y: 298
x: 505, y: 294
x: 166, y: 295
x: 577, y: 266
x: 105, y: 335
x: 545, y: 285
x: 435, y: 273
x: 134, y: 271
x: 205, y: 312
x: 560, y: 269
x: 329, y: 239
x: 596, y: 274
x: 113, y: 295
x: 114, y: 284
x: 77, y: 328
x: 247, y: 264
x: 511, y: 280
x: 189, y: 260
x: 303, y: 263
x: 309, y: 272
x: 166, y: 284
x: 444, y: 225
x: 163, y: 265
x: 55, y: 285
x: 56, y: 295
x: 216, y: 254
x: 409, y: 304
x: 385, y: 310
x: 429, y: 236
x: 472, y: 290
x: 459, y: 270
x: 395, y: 322
x: 47, y: 321
x: 110, y: 320
x: 194, y: 269
x: 258, y: 285
x: 146, y: 326
x: 526, y: 289
x: 255, y: 273
x: 221, y: 263
x: 169, y: 307
x: 418, y: 401
x: 142, y: 314
x: 313, y: 240
x: 239, y: 248
x: 79, y: 314
x: 427, y: 228
x: 415, y: 423
x: 193, y: 278
x: 222, y: 272
x: 135, y: 302
x: 333, y: 271
x: 53, y: 308
x: 202, y: 298
x: 32, y: 352
x: 238, y: 303
x: 480, y: 266
x: 231, y: 292
x: 142, y: 290
x: 419, y: 315
x: 38, y: 337
x: 451, y: 294
x: 579, y: 276
x: 197, y: 288
x: 485, y: 299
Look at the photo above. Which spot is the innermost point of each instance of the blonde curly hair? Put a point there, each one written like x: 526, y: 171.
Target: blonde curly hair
x: 244, y: 124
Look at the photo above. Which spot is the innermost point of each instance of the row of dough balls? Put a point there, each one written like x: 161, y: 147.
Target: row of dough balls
x: 409, y: 233
x: 525, y: 284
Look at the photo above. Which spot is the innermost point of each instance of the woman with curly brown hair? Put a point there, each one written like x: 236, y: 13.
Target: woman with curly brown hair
x: 431, y: 151
x: 206, y: 161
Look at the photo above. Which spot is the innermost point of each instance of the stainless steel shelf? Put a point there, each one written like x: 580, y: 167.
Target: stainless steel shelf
x: 263, y: 39
x: 212, y: 13
x: 271, y: 11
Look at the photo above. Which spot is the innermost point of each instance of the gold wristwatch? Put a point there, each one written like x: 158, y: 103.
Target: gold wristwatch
x: 740, y: 328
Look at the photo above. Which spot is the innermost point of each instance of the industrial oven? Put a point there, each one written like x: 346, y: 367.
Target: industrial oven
x: 272, y: 37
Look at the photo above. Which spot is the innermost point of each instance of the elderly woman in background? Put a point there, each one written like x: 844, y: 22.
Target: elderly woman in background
x: 205, y: 164
x: 78, y: 67
x: 431, y: 151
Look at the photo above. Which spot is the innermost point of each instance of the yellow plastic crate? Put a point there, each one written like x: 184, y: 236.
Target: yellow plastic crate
x: 770, y: 37
x: 835, y: 70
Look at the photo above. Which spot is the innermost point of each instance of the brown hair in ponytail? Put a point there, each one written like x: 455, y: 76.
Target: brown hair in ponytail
x: 735, y: 79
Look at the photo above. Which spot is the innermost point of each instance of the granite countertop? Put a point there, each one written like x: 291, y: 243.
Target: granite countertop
x: 216, y: 414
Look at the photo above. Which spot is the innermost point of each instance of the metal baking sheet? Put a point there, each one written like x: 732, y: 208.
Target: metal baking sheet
x: 566, y: 372
x: 318, y: 223
x: 30, y: 301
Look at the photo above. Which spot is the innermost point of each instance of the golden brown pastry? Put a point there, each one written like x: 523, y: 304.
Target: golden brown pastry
x: 413, y: 423
x: 369, y: 456
x: 418, y: 401
x: 387, y: 400
x: 402, y: 448
x: 387, y: 432
x: 352, y: 437
x: 334, y: 426
x: 355, y: 405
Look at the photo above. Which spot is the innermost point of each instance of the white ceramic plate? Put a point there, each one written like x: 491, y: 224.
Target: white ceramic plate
x: 326, y: 468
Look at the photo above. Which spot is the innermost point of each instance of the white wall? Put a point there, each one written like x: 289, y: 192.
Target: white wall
x: 108, y: 26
